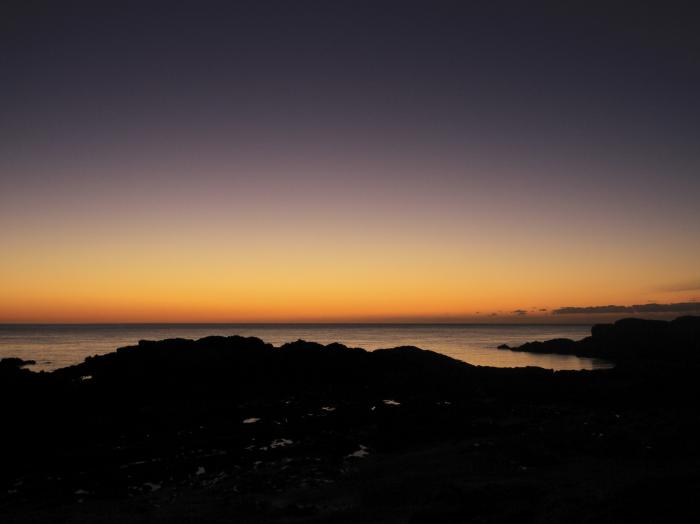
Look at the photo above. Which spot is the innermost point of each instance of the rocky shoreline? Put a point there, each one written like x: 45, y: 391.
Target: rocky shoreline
x: 229, y: 429
x: 628, y: 341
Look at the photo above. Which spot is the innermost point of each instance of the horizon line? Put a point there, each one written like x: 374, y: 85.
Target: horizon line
x: 321, y: 323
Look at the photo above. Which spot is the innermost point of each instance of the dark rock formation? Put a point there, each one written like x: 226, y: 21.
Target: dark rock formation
x: 562, y: 346
x: 231, y: 429
x: 632, y: 341
x: 246, y: 367
x: 14, y: 362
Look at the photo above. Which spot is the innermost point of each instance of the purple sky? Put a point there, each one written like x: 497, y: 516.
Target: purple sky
x: 345, y: 160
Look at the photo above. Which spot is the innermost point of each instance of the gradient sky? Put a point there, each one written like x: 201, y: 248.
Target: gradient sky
x: 346, y: 161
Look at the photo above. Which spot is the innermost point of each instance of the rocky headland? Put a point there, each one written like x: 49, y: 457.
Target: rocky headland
x: 630, y: 341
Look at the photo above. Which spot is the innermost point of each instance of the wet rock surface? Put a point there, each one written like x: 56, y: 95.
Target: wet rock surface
x: 234, y: 430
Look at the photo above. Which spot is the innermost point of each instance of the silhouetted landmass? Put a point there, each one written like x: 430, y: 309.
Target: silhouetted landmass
x: 231, y: 429
x: 631, y: 341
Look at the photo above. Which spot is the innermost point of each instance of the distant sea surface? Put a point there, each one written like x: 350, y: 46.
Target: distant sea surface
x: 54, y: 346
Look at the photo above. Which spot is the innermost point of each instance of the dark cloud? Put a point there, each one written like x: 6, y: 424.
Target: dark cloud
x: 520, y: 312
x: 680, y: 307
x: 691, y: 285
x: 543, y: 309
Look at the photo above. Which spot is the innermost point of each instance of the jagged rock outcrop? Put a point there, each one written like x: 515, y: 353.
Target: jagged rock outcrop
x: 243, y: 367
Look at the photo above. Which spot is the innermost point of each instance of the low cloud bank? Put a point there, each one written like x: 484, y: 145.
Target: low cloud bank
x: 679, y: 307
x: 692, y: 285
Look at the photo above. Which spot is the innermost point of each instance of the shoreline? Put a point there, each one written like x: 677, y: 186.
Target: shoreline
x: 68, y: 345
x: 233, y: 429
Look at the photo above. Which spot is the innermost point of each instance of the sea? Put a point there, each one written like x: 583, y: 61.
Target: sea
x: 54, y: 346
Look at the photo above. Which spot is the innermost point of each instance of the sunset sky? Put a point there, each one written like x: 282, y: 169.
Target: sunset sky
x: 346, y: 161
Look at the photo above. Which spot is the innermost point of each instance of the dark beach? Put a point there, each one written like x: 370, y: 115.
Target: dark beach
x: 230, y: 429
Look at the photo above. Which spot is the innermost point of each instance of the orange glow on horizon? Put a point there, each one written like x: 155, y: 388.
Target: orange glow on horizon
x: 339, y: 277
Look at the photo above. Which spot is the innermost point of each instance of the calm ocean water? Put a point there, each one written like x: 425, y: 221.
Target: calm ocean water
x: 55, y: 346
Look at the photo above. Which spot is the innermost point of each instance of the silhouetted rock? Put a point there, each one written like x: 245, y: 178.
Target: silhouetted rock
x: 246, y: 367
x: 557, y: 345
x: 632, y: 341
x: 14, y: 362
x: 232, y: 429
x: 12, y: 371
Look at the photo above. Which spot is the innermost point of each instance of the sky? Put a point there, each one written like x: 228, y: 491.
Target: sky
x: 348, y: 161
